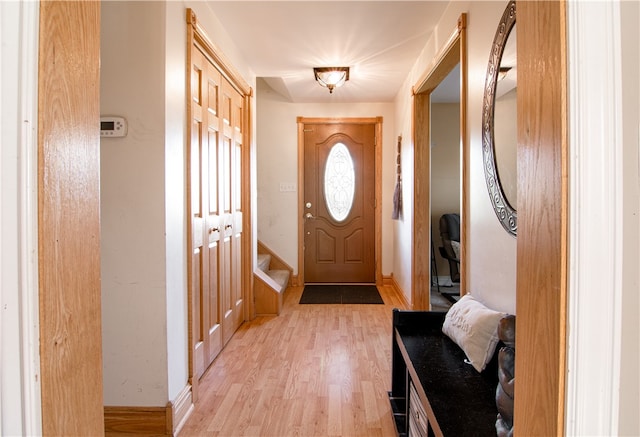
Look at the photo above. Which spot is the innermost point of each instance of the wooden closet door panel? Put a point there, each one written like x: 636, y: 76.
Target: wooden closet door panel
x: 197, y: 252
x: 237, y: 154
x: 231, y: 105
x: 228, y: 315
x: 212, y: 322
x: 219, y: 261
x: 206, y: 226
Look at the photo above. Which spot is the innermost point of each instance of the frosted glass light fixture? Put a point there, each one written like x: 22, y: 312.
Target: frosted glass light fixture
x: 331, y: 77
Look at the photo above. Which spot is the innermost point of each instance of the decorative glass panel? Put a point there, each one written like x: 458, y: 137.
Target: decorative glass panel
x: 339, y: 182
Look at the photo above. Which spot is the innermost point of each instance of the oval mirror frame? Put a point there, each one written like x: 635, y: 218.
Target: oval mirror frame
x: 507, y: 215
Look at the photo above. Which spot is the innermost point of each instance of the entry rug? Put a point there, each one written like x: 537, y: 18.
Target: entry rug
x: 341, y: 294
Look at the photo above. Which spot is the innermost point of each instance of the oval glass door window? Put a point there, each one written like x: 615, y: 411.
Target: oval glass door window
x: 339, y: 182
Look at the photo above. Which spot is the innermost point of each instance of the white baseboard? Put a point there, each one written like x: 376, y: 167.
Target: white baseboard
x: 181, y: 408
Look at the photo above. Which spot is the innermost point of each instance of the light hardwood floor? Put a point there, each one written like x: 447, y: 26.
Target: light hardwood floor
x: 315, y: 370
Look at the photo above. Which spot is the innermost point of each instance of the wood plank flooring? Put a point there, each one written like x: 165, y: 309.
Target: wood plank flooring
x: 316, y: 370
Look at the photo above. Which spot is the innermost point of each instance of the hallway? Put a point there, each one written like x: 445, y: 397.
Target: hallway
x: 316, y: 370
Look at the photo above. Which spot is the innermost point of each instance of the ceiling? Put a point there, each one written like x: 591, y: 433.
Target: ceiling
x: 283, y: 40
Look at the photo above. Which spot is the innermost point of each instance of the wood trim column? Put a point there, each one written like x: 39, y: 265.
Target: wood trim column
x: 465, y: 149
x: 378, y: 194
x: 421, y: 233
x: 542, y: 219
x: 69, y: 218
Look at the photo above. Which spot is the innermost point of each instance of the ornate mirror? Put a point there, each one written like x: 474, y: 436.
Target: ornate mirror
x: 499, y: 139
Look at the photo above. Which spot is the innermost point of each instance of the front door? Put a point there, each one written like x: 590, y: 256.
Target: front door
x: 339, y: 202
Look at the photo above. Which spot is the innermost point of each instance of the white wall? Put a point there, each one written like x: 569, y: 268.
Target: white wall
x: 445, y: 173
x: 144, y: 276
x: 505, y: 144
x: 629, y: 419
x: 175, y: 200
x: 277, y: 161
x: 134, y: 284
x: 491, y: 251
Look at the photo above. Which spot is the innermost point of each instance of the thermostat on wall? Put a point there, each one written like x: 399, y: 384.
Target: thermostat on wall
x: 113, y: 126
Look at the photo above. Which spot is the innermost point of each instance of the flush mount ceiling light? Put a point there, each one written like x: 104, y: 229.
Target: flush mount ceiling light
x: 331, y: 77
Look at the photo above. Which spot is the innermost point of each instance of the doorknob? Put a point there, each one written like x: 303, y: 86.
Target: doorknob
x: 309, y: 216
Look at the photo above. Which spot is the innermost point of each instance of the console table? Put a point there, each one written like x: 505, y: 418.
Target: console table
x: 433, y: 391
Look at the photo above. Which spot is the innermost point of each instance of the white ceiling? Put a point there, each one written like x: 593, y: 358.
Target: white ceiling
x: 284, y: 40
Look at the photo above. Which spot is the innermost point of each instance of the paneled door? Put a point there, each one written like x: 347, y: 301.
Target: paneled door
x: 230, y: 176
x: 215, y: 195
x: 206, y: 221
x: 339, y: 202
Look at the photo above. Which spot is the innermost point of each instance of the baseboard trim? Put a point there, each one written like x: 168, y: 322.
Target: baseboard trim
x: 137, y: 420
x: 390, y: 281
x: 181, y: 408
x: 157, y: 421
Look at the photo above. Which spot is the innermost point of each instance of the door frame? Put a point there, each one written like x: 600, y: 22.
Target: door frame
x: 20, y: 328
x: 68, y: 212
x: 378, y: 186
x: 453, y: 53
x: 542, y: 251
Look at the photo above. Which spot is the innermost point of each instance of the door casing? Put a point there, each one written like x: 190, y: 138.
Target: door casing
x: 378, y: 186
x: 454, y: 52
x: 70, y: 316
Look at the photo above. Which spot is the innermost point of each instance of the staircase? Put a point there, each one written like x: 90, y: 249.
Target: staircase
x: 269, y: 286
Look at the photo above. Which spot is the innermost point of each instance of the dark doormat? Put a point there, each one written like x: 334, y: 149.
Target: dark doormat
x: 341, y: 294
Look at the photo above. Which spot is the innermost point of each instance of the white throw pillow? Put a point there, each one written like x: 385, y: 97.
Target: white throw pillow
x: 456, y: 248
x: 474, y: 328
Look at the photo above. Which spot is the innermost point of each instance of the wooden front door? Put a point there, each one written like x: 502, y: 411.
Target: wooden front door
x: 339, y: 202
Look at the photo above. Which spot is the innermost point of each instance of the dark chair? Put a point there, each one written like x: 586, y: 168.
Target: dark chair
x: 506, y: 376
x: 450, y: 232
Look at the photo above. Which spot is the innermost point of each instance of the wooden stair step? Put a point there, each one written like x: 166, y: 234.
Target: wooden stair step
x: 270, y: 283
x: 281, y: 277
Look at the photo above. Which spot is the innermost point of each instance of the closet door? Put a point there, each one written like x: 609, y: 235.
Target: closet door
x: 238, y: 158
x: 206, y: 226
x: 219, y: 263
x: 231, y: 207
